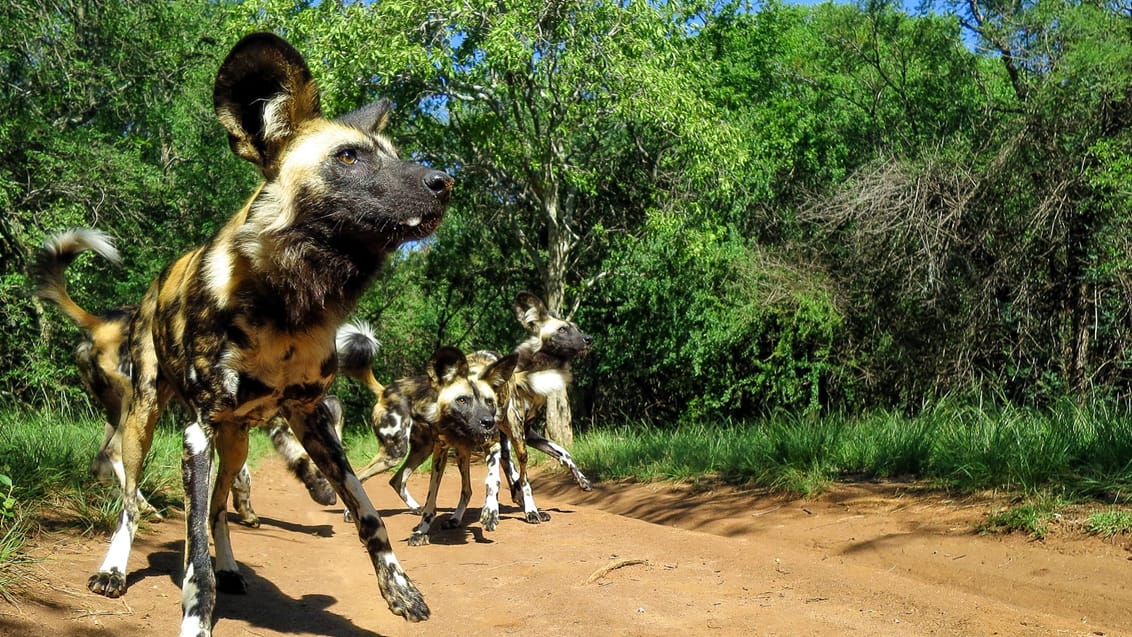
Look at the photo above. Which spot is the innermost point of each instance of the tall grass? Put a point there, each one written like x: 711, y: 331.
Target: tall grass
x: 47, y: 457
x: 1076, y: 451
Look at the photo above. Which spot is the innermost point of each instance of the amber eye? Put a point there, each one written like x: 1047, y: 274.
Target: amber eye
x: 347, y: 156
x: 463, y: 401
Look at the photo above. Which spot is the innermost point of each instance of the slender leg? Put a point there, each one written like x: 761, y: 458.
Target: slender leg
x: 232, y: 448
x: 489, y: 514
x: 464, y: 462
x: 299, y: 463
x: 536, y: 440
x: 107, y: 465
x: 136, y: 437
x: 242, y: 498
x: 400, y: 480
x: 439, y: 460
x: 316, y: 432
x: 530, y: 511
x: 198, y: 588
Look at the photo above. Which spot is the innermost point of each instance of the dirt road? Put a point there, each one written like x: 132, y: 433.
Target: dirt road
x: 623, y: 560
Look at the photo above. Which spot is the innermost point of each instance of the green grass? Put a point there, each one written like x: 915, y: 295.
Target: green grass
x: 1071, y: 451
x: 1048, y: 459
x: 1033, y: 519
x: 1109, y: 523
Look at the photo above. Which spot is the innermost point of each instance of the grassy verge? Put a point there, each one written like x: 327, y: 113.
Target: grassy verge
x: 1047, y: 459
x: 1078, y: 452
x: 44, y: 464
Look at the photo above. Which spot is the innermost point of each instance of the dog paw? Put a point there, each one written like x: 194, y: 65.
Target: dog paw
x: 399, y: 592
x: 249, y: 519
x: 110, y: 583
x: 418, y: 539
x: 321, y: 491
x: 451, y: 523
x: 583, y: 482
x: 537, y: 517
x: 489, y: 519
x: 517, y: 495
x: 231, y: 582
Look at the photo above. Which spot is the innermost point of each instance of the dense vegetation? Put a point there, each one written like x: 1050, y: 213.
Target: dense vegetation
x: 756, y: 209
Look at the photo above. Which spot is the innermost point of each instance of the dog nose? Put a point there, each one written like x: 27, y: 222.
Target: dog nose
x: 439, y: 182
x: 488, y: 422
x: 588, y: 339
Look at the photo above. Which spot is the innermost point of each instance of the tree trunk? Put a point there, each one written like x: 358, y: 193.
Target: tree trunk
x: 558, y: 426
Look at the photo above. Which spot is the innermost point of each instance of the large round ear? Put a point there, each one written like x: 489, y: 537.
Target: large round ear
x: 263, y: 92
x: 500, y: 371
x: 446, y: 364
x: 371, y: 118
x: 531, y: 311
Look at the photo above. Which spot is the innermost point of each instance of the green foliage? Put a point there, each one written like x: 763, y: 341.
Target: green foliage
x: 1109, y: 523
x: 1032, y: 519
x: 730, y: 329
x: 107, y: 116
x: 799, y: 208
x: 14, y: 526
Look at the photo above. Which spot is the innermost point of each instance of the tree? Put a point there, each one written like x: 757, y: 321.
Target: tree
x: 557, y: 117
x: 106, y: 121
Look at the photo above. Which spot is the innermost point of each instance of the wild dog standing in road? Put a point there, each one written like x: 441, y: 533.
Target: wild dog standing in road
x: 415, y: 415
x: 106, y: 372
x: 242, y: 328
x: 464, y: 421
x: 543, y: 368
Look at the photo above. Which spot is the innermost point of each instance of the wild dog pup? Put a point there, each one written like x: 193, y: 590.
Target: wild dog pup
x: 543, y: 367
x: 242, y: 328
x: 464, y: 421
x: 106, y: 372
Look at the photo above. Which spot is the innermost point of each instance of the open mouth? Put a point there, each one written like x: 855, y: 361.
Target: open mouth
x: 420, y: 226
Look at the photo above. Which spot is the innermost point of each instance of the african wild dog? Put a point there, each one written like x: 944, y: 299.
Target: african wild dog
x: 105, y: 371
x: 243, y: 327
x: 543, y: 367
x: 420, y: 415
x: 464, y: 420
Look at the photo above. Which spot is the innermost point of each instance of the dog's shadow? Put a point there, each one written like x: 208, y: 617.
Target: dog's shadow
x: 264, y: 606
x: 320, y: 530
x: 469, y: 531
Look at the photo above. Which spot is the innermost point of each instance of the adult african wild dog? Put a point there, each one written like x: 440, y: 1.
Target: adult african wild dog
x: 464, y: 421
x: 452, y: 405
x: 544, y: 366
x: 242, y: 328
x: 106, y: 372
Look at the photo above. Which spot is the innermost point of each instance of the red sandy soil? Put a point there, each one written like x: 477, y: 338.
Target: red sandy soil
x: 625, y: 559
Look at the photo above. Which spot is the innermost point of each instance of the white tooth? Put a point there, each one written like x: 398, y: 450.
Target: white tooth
x: 413, y: 221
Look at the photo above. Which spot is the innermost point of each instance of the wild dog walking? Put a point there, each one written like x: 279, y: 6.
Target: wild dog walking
x: 242, y: 328
x: 543, y: 367
x: 464, y: 421
x: 106, y: 372
x: 452, y: 405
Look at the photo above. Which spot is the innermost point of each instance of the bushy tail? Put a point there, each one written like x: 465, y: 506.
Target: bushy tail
x: 357, y: 349
x: 47, y: 270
